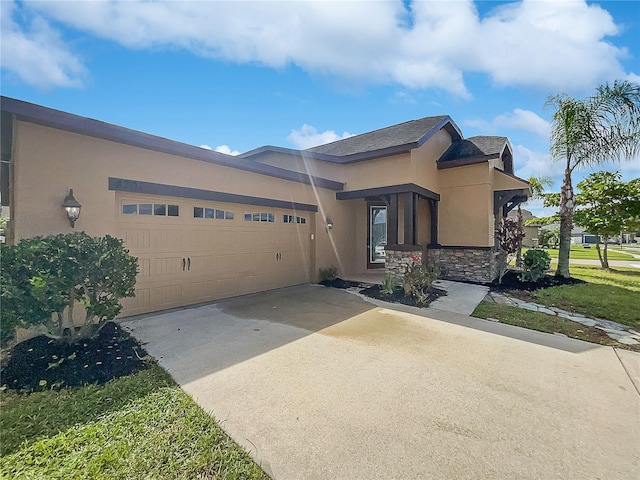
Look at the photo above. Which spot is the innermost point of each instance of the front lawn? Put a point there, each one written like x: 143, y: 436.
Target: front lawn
x: 139, y: 426
x: 609, y: 294
x: 579, y: 252
x: 543, y: 322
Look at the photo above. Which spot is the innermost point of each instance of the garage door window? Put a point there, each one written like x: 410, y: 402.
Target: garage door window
x: 213, y: 213
x: 259, y: 217
x: 293, y: 219
x: 158, y: 209
x: 130, y: 209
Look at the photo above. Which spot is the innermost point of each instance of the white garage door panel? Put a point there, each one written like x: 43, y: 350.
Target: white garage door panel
x: 185, y: 260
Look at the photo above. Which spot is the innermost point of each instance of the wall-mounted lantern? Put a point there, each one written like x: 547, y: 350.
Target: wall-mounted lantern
x: 72, y: 207
x: 329, y: 223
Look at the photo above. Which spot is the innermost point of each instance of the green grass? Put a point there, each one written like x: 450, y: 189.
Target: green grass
x: 610, y: 294
x: 542, y: 322
x: 579, y: 252
x: 142, y: 426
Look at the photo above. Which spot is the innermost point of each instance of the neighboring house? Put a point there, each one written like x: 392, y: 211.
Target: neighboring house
x: 578, y: 234
x: 530, y: 239
x: 205, y: 225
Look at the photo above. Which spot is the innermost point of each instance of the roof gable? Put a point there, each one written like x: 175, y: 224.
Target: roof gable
x: 407, y: 133
x: 477, y: 149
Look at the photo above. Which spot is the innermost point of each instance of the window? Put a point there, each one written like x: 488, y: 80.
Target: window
x: 173, y: 210
x: 130, y: 209
x: 202, y: 212
x: 159, y: 209
x: 260, y: 217
x: 145, y: 209
x: 293, y: 219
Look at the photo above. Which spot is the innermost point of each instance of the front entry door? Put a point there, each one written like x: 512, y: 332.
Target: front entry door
x: 377, y: 237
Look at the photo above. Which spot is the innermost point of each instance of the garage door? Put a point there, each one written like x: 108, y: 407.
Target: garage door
x: 192, y: 251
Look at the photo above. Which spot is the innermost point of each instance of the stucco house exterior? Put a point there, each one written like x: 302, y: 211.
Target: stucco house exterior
x: 206, y: 225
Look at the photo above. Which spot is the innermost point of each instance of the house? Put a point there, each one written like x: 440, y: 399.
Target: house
x: 530, y: 239
x: 205, y: 225
x: 579, y: 235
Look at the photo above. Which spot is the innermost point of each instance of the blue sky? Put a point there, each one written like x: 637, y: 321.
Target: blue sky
x: 237, y: 75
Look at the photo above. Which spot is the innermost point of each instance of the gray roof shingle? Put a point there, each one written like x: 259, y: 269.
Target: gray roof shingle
x: 393, y: 136
x: 474, y: 147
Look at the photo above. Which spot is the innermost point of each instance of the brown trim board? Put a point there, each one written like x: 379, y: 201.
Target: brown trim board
x: 48, y: 117
x: 388, y: 190
x: 136, y: 186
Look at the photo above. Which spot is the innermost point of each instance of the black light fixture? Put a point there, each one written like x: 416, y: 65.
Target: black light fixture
x: 329, y: 223
x: 72, y: 207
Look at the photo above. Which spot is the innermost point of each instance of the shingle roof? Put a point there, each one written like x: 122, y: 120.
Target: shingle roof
x: 474, y: 147
x: 393, y: 136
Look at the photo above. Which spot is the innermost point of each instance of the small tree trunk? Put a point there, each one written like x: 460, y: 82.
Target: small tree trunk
x: 566, y: 224
x: 599, y: 252
x: 605, y: 263
x: 521, y: 227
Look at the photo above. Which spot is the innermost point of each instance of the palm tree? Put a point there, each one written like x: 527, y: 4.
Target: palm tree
x: 602, y: 127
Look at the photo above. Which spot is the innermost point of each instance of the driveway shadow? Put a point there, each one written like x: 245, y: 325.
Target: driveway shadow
x: 195, y: 342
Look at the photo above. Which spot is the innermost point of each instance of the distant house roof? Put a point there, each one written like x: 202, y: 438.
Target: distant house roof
x: 396, y: 139
x: 575, y: 231
x: 526, y: 214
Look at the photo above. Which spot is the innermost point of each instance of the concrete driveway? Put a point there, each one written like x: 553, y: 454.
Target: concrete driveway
x: 319, y: 384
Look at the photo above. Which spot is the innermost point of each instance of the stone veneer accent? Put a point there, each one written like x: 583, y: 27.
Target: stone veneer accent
x: 396, y: 261
x: 470, y: 264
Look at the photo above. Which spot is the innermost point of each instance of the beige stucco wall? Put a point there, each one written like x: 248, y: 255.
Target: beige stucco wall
x: 424, y: 168
x: 465, y: 214
x: 502, y: 181
x: 47, y: 162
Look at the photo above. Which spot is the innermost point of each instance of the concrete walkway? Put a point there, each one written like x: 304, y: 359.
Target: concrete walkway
x: 320, y: 384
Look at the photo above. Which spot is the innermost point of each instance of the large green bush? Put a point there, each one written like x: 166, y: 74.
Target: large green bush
x: 43, y: 277
x: 535, y: 264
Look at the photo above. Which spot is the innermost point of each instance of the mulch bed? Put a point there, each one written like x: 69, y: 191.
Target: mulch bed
x: 373, y: 291
x: 398, y: 296
x: 42, y: 363
x: 339, y: 283
x: 510, y: 281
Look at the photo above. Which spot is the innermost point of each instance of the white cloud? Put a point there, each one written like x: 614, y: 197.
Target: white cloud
x: 529, y: 163
x: 550, y: 45
x: 308, y: 136
x: 226, y: 149
x: 519, y: 119
x: 206, y: 147
x: 36, y: 53
x: 524, y: 120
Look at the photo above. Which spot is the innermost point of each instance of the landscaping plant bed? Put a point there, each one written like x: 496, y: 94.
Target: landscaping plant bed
x: 43, y: 363
x: 510, y: 281
x: 339, y: 283
x: 398, y: 296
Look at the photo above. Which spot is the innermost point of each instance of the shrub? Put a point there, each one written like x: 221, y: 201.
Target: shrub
x: 534, y: 265
x: 43, y: 278
x: 388, y: 284
x: 328, y: 274
x: 418, y: 277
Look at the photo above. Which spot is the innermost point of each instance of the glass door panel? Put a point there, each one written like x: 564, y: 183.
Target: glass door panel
x: 377, y: 233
